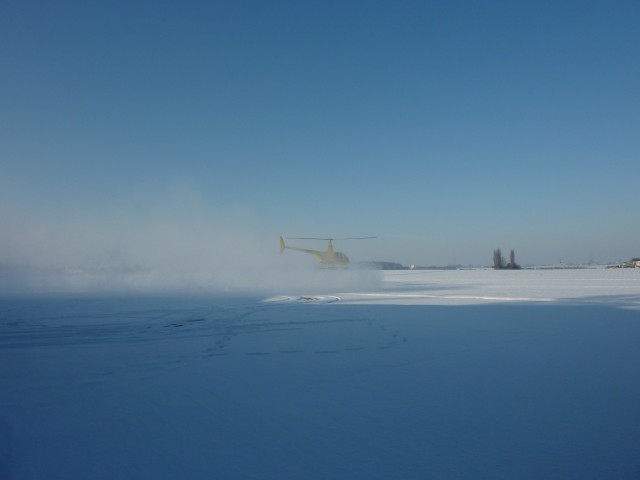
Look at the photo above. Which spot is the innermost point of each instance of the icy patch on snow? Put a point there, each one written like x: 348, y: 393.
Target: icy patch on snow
x: 304, y: 299
x: 483, y: 286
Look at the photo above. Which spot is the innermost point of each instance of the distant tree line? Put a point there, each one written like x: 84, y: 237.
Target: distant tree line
x: 499, y: 261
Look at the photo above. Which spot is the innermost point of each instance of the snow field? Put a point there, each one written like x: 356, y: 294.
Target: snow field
x: 455, y: 374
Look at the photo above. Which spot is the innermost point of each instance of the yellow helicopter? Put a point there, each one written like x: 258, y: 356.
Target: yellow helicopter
x: 329, y: 257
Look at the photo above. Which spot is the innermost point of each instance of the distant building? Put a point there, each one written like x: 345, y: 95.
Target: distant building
x: 633, y: 263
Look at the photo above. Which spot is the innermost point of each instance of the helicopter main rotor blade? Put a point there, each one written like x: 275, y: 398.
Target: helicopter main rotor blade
x: 317, y: 238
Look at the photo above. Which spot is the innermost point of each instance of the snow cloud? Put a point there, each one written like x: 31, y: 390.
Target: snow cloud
x: 174, y: 243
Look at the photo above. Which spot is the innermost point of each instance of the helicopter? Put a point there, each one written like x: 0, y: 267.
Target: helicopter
x: 329, y: 257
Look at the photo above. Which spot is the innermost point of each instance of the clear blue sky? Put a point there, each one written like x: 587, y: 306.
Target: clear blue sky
x: 445, y: 128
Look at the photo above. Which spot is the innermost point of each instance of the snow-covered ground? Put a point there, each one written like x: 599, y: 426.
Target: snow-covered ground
x: 428, y: 374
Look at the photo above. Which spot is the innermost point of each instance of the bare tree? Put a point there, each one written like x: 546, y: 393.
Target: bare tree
x: 499, y: 262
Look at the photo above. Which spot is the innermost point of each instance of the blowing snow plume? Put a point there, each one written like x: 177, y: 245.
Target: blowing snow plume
x: 176, y: 247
